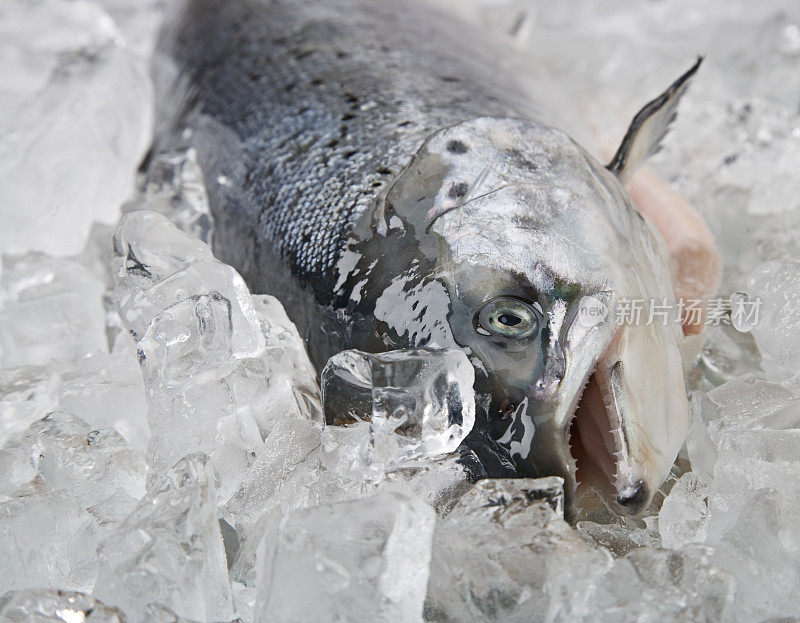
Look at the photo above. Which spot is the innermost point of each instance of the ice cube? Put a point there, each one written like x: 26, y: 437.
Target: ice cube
x: 149, y: 248
x: 684, y: 514
x: 777, y: 286
x: 157, y: 267
x: 56, y: 606
x: 360, y: 560
x: 761, y: 549
x: 419, y: 403
x: 347, y: 388
x: 290, y: 369
x: 110, y: 513
x: 651, y: 584
x: 282, y: 479
x: 748, y: 402
x: 174, y: 187
x: 244, y: 602
x: 169, y: 550
x: 16, y: 469
x: 748, y: 462
x: 728, y: 354
x: 90, y: 102
x: 107, y: 391
x: 47, y: 540
x: 190, y: 295
x: 91, y: 464
x: 504, y: 554
x: 439, y: 482
x: 26, y: 395
x: 214, y: 383
x: 617, y: 539
x: 347, y: 453
x: 511, y: 492
x: 50, y: 308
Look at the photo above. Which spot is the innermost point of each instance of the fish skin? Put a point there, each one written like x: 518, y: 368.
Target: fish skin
x: 385, y: 171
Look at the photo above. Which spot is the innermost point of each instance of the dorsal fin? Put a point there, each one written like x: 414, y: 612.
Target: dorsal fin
x: 648, y: 128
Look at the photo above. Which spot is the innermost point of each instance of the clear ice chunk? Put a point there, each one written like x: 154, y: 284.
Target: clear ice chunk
x: 149, y: 248
x: 107, y: 391
x: 418, y: 404
x: 158, y: 266
x: 683, y: 517
x: 363, y: 560
x: 777, y: 286
x: 91, y: 464
x: 700, y: 447
x: 617, y: 539
x: 282, y: 479
x: 26, y: 394
x: 439, y: 482
x: 50, y: 309
x: 761, y: 549
x: 652, y: 584
x: 47, y: 540
x: 291, y: 378
x: 174, y: 187
x: 169, y: 550
x: 111, y: 512
x: 504, y: 554
x: 728, y: 354
x: 56, y: 606
x: 89, y: 100
x: 220, y: 367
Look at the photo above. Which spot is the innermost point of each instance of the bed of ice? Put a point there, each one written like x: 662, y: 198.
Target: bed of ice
x: 163, y: 454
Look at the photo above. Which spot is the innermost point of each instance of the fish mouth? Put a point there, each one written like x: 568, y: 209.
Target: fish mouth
x: 600, y: 452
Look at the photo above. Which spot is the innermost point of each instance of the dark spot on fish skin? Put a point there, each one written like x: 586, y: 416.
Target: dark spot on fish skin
x: 348, y: 116
x: 384, y: 171
x: 449, y: 79
x: 731, y: 158
x: 349, y: 153
x: 317, y: 82
x: 279, y: 41
x: 457, y: 190
x: 523, y: 161
x: 341, y: 54
x: 403, y: 124
x: 303, y: 54
x: 289, y: 87
x: 351, y: 98
x: 457, y: 147
x: 376, y: 184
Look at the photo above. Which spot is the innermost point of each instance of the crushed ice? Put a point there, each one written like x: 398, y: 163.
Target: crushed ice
x: 163, y: 449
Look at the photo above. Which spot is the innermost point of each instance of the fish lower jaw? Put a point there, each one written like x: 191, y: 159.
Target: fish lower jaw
x: 601, y: 462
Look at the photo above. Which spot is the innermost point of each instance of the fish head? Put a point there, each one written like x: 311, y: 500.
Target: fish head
x: 542, y: 252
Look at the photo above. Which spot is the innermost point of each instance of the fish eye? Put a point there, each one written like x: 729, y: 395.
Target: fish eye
x: 507, y: 317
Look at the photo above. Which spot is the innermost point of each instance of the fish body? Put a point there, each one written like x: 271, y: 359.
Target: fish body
x: 386, y: 172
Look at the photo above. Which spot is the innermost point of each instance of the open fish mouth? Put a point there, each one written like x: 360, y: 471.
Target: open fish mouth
x: 600, y: 453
